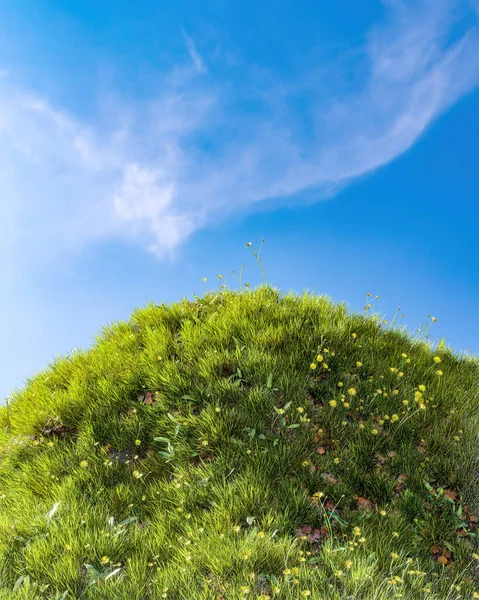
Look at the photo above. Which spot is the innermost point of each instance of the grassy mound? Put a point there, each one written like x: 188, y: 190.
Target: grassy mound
x: 245, y: 445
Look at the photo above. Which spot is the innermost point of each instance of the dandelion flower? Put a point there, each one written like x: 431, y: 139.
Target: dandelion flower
x: 439, y: 372
x: 137, y: 442
x: 374, y: 431
x: 333, y: 403
x: 359, y: 364
x: 437, y: 359
x: 352, y: 391
x: 422, y: 388
x: 313, y: 366
x: 84, y: 464
x: 320, y: 358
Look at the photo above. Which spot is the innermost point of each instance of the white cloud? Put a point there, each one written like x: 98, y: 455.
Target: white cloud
x: 193, y: 156
x: 195, y: 56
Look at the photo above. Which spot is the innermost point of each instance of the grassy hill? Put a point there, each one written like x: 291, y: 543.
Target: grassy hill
x: 245, y: 445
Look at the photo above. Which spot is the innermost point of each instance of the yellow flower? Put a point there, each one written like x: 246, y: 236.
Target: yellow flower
x: 437, y: 359
x: 395, y: 418
x: 422, y: 388
x: 137, y: 442
x: 362, y: 540
x: 217, y: 409
x: 405, y: 402
x: 348, y: 564
x: 439, y: 372
x: 313, y: 365
x: 382, y: 513
x: 393, y: 369
x: 400, y: 374
x: 395, y: 534
x: 346, y: 405
x: 333, y: 403
x: 319, y: 358
x: 300, y: 409
x: 203, y: 279
x: 475, y: 595
x: 236, y: 528
x: 352, y: 391
x: 325, y: 366
x: 354, y: 335
x: 357, y: 530
x: 104, y: 560
x: 306, y: 593
x: 261, y: 534
x: 84, y: 464
x: 395, y: 392
x: 404, y: 355
x: 359, y: 364
x: 204, y: 443
x: 337, y: 460
x: 340, y: 384
x: 374, y: 431
x: 394, y: 555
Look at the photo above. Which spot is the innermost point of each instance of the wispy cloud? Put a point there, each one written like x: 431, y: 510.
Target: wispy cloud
x: 195, y: 56
x: 195, y: 155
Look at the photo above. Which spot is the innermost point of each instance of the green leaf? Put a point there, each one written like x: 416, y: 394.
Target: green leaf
x: 293, y: 426
x: 269, y: 382
x: 128, y: 521
x: 190, y: 398
x: 165, y: 454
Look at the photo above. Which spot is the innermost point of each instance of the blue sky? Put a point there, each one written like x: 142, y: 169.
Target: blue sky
x: 143, y: 144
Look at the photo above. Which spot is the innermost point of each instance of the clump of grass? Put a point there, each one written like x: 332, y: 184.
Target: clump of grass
x: 248, y: 444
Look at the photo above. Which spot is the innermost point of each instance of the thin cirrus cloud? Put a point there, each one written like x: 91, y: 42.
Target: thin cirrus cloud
x: 209, y: 146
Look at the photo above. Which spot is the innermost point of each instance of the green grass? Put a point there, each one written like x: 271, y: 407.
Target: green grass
x: 194, y: 452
